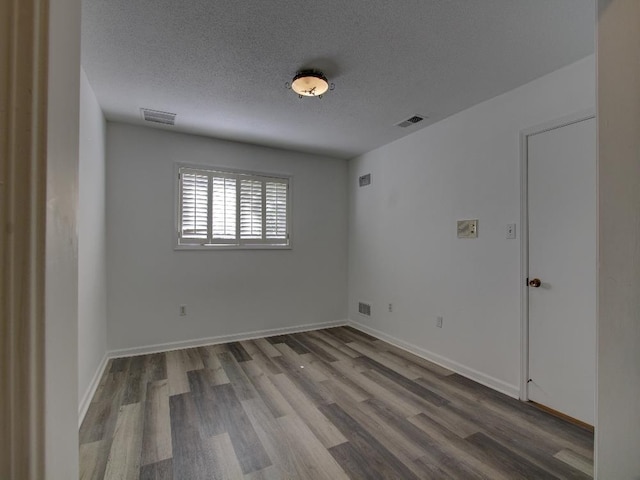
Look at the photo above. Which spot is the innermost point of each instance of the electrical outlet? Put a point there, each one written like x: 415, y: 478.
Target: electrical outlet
x: 183, y: 310
x: 391, y: 307
x: 439, y: 322
x: 511, y: 231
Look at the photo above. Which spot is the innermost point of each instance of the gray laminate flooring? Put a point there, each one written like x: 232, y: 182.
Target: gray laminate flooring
x: 329, y: 404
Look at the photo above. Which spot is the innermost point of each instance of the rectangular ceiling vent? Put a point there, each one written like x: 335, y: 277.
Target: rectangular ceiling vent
x: 364, y: 309
x: 155, y: 116
x: 364, y: 180
x: 410, y: 121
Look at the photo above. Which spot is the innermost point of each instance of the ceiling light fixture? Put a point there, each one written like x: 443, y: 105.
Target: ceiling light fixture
x: 310, y: 83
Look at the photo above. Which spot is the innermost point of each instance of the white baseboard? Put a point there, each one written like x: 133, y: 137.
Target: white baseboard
x: 236, y: 337
x: 91, y: 390
x: 475, y: 375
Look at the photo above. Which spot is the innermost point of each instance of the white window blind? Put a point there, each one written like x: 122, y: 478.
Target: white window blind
x: 251, y: 209
x: 276, y: 214
x: 225, y: 208
x: 195, y: 189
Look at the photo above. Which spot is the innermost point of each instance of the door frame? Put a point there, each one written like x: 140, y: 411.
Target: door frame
x: 24, y: 53
x: 524, y: 233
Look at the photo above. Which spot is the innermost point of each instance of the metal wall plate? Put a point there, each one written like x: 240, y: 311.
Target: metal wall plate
x: 468, y: 228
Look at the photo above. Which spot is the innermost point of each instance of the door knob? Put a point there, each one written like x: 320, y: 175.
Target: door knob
x: 535, y: 283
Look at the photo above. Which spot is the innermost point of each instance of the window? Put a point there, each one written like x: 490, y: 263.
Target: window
x: 232, y: 209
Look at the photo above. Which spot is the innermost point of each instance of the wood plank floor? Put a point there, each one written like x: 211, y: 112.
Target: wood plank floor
x: 330, y: 404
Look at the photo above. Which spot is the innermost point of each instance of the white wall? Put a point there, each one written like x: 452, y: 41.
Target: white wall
x: 61, y: 255
x: 402, y: 232
x: 226, y: 292
x: 618, y: 427
x: 92, y: 250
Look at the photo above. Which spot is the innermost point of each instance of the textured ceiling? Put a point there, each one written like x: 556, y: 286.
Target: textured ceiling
x: 222, y: 65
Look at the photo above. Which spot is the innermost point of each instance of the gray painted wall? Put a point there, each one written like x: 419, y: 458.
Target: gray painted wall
x: 226, y: 292
x: 92, y: 249
x: 402, y: 232
x: 61, y: 255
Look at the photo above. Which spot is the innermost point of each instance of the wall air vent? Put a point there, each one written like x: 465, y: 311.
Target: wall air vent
x: 410, y: 121
x: 364, y: 180
x: 364, y: 309
x: 155, y: 116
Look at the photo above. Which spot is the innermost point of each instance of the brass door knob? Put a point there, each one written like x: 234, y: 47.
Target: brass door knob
x: 535, y: 283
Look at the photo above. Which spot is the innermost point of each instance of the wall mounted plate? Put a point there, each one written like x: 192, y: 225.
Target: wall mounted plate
x: 467, y: 228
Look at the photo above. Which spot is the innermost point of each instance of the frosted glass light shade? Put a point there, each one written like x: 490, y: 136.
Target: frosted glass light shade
x: 310, y: 84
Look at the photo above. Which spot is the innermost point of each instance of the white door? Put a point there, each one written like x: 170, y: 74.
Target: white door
x: 561, y: 166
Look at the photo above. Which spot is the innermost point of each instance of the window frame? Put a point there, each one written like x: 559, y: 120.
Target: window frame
x: 231, y: 172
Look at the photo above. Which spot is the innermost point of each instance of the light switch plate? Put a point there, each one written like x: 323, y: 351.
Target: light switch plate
x: 511, y: 231
x: 468, y: 228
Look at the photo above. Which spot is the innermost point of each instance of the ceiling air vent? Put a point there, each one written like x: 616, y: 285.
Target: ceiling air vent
x: 364, y: 180
x: 364, y: 309
x: 155, y: 116
x: 410, y: 121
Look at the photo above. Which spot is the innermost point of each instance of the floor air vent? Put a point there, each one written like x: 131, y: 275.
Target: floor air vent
x: 364, y: 180
x: 155, y: 116
x: 410, y: 121
x: 364, y: 309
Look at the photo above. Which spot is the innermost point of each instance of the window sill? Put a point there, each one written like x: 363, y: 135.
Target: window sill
x: 206, y: 248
